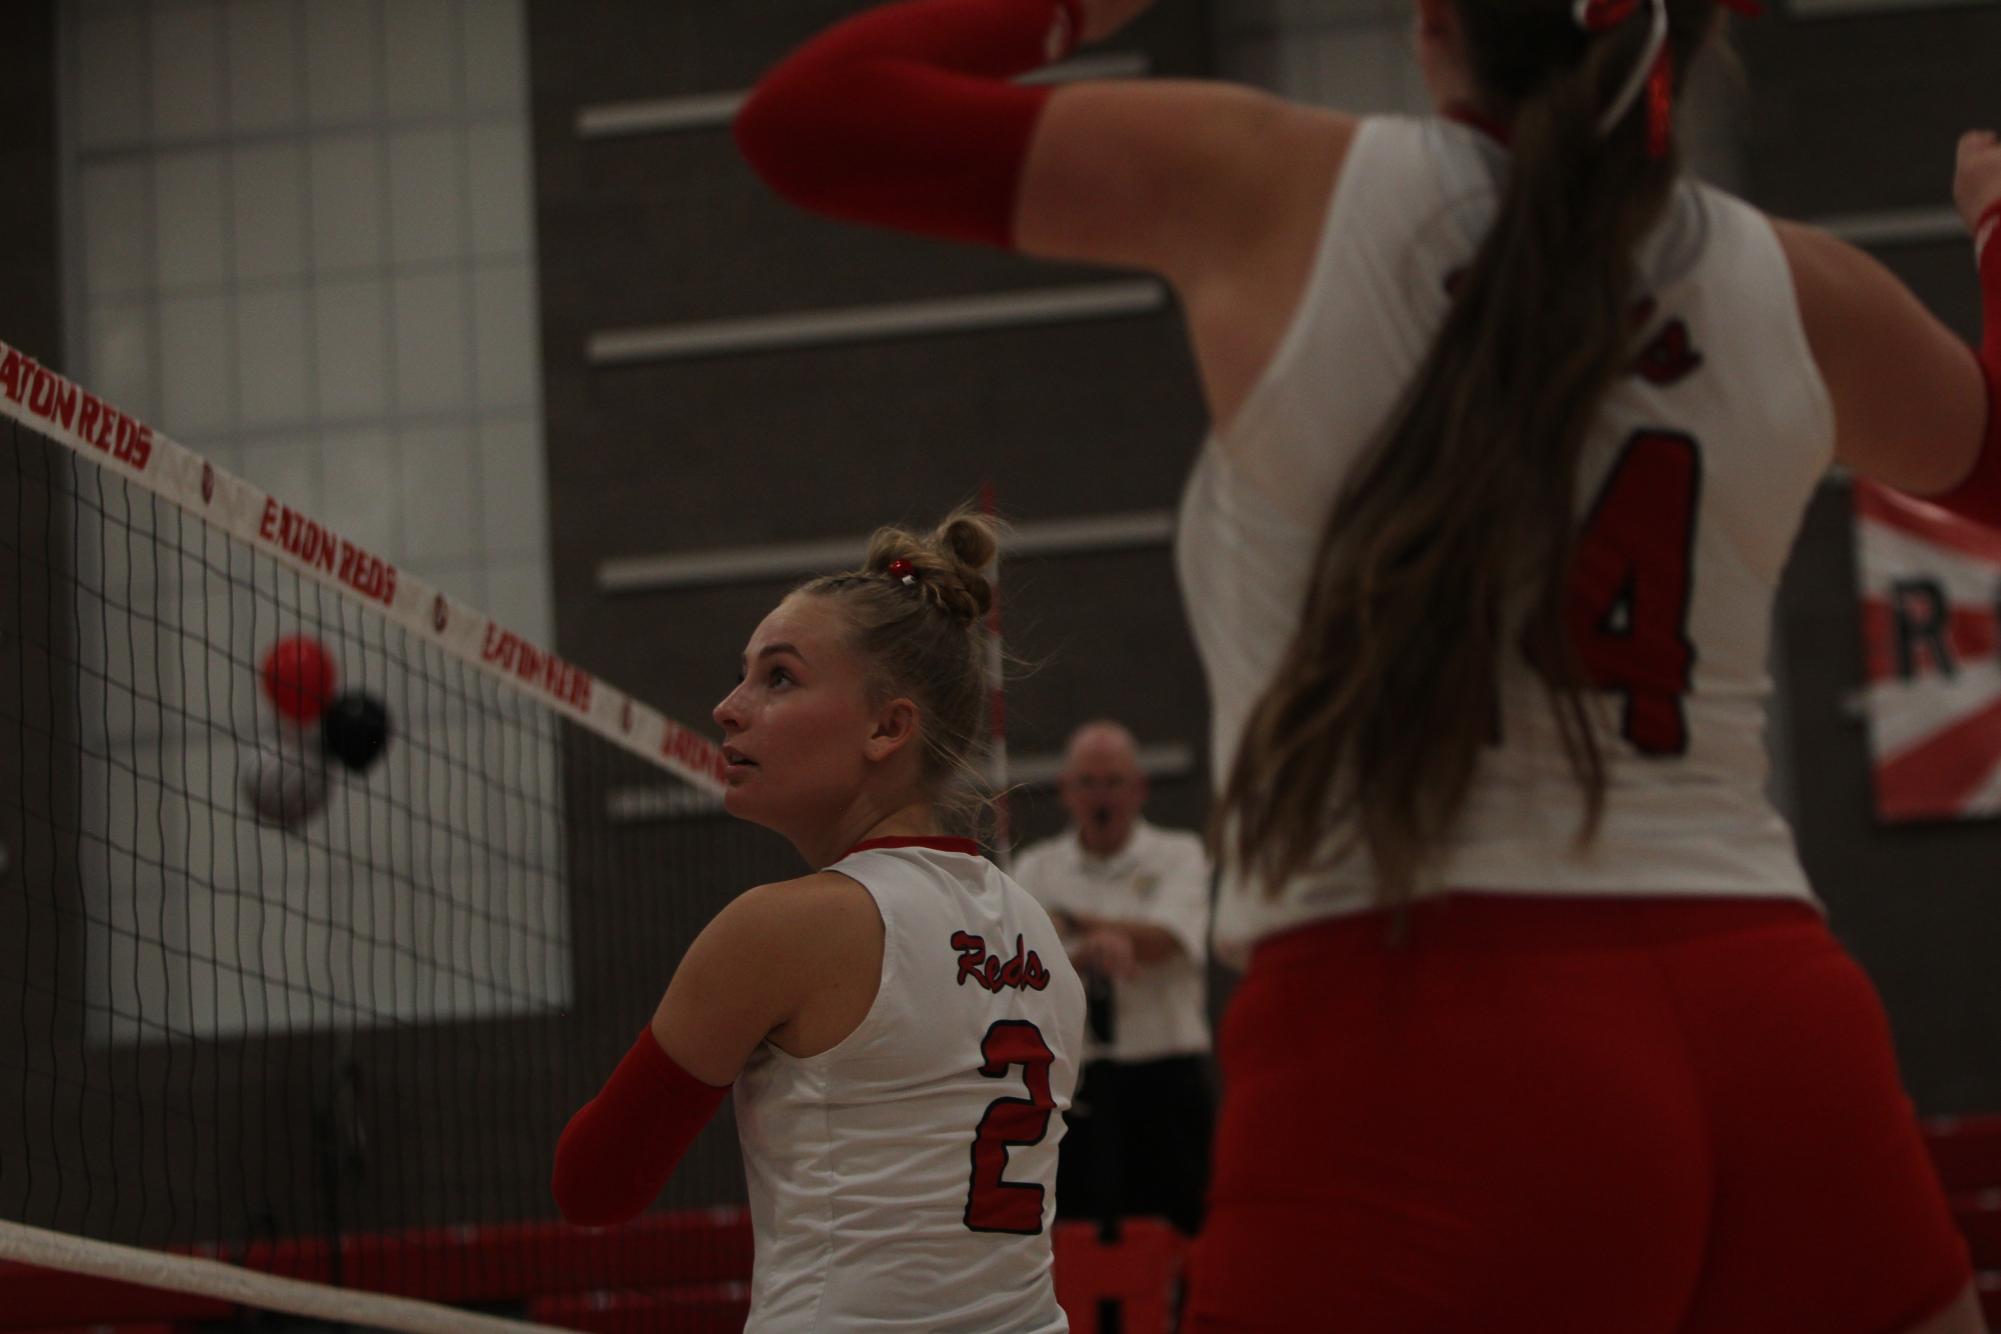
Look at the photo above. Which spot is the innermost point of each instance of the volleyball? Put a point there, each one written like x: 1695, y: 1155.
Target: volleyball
x: 285, y: 788
x: 355, y: 729
x: 299, y: 677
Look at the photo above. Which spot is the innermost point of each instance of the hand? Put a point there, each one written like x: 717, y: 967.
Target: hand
x: 1976, y: 186
x: 1107, y: 952
x: 1102, y: 18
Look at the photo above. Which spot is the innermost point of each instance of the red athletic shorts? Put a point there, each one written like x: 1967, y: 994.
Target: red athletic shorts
x: 1535, y: 1114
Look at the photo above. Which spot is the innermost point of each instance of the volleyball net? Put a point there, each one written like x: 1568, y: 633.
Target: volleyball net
x: 325, y: 900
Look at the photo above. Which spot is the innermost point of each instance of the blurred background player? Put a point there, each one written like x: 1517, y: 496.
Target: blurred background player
x: 1132, y: 901
x: 1513, y: 426
x: 902, y: 1028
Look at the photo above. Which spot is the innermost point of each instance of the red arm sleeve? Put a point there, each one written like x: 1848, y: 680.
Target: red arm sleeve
x: 619, y: 1150
x: 904, y: 116
x: 1979, y: 497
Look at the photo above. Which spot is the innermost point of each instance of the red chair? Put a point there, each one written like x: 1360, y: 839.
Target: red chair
x: 713, y: 1308
x: 1967, y: 1152
x: 1139, y: 1272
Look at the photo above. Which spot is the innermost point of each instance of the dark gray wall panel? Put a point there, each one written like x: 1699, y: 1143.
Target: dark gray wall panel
x: 1860, y: 115
x: 653, y: 458
x: 36, y: 770
x: 678, y: 229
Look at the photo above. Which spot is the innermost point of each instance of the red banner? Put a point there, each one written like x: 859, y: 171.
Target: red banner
x: 1931, y: 639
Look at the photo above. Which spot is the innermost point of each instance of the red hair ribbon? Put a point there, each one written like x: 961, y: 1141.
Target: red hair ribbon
x: 1660, y: 105
x: 1656, y: 83
x: 904, y: 570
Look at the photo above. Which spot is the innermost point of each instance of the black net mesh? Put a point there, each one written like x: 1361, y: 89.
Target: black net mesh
x: 314, y: 1018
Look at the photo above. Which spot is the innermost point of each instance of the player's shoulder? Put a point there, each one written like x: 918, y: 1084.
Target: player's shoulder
x: 818, y: 909
x: 777, y: 895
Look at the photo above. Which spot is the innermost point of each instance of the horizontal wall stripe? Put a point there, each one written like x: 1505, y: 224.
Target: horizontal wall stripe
x: 1093, y: 534
x: 713, y: 111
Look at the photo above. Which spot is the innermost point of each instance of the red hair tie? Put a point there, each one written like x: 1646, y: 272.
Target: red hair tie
x: 904, y: 570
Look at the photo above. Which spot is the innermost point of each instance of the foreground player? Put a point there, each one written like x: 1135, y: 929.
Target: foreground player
x: 1513, y: 428
x: 902, y: 1028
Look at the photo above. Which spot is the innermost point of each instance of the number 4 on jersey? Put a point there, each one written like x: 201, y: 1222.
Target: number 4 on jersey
x: 1629, y: 593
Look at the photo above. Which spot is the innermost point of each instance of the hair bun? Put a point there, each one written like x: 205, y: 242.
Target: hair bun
x: 950, y: 564
x: 973, y: 539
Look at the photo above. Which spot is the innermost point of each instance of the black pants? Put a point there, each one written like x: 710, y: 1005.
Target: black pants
x: 1138, y: 1142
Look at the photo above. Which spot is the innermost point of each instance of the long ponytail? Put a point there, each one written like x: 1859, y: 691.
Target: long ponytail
x: 1452, y: 542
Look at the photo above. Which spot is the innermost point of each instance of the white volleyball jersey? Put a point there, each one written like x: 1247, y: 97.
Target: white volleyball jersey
x: 1693, y: 486
x: 906, y: 1178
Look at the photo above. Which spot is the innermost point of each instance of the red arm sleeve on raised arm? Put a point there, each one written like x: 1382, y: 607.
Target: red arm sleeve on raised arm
x: 904, y: 116
x: 618, y: 1151
x: 1979, y: 497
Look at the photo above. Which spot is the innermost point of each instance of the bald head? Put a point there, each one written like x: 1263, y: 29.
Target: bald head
x: 1103, y: 787
x: 1101, y: 742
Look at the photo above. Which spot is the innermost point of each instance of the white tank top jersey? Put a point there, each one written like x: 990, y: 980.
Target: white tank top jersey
x: 906, y: 1178
x: 1693, y: 487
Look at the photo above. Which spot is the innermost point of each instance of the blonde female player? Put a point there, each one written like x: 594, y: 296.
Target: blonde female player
x: 902, y: 1027
x: 1513, y: 427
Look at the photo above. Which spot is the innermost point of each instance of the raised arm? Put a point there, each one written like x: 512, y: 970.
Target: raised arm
x: 907, y: 117
x: 1913, y: 408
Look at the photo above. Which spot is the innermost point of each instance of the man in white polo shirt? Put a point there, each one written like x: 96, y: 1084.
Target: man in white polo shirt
x: 1132, y: 902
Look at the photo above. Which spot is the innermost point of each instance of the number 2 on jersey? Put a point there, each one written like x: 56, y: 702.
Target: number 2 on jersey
x: 1630, y: 588
x: 992, y: 1204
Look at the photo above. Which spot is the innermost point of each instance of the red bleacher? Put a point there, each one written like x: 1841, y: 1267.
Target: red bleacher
x: 458, y: 1265
x: 1967, y: 1150
x: 717, y: 1308
x: 687, y: 1272
x: 46, y: 1299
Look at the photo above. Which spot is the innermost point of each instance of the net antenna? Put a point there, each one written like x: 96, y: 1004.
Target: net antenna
x: 318, y: 922
x: 997, y: 768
